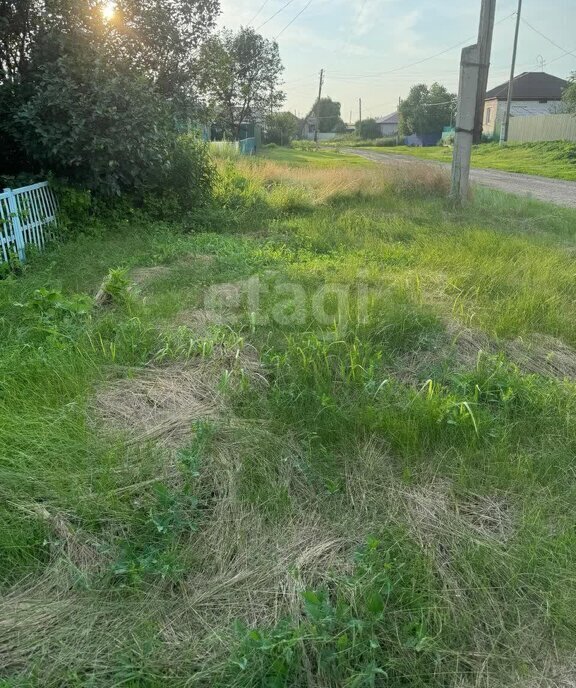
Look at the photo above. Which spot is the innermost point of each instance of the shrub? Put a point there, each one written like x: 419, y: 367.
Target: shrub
x: 95, y: 124
x: 190, y: 173
x: 386, y: 142
x: 303, y: 145
x: 368, y: 129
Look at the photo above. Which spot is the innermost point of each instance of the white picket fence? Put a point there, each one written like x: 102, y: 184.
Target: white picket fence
x: 27, y: 216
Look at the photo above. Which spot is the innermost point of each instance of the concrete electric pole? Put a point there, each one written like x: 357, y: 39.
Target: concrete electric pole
x: 485, y: 33
x: 506, y: 123
x: 318, y: 106
x: 475, y: 58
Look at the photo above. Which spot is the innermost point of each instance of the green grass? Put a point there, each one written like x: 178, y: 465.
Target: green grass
x: 323, y: 157
x: 361, y: 474
x: 555, y: 159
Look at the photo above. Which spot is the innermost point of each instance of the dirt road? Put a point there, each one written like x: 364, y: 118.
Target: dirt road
x: 544, y: 189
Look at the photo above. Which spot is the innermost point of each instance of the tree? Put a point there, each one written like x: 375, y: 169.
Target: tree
x: 281, y: 128
x: 95, y: 99
x: 426, y: 109
x: 239, y: 74
x: 157, y: 38
x: 569, y: 95
x: 328, y: 112
x: 368, y: 129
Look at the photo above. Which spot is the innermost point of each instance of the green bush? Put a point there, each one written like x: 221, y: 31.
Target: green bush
x: 190, y: 173
x: 368, y: 129
x: 95, y: 124
x: 387, y: 142
x: 303, y: 144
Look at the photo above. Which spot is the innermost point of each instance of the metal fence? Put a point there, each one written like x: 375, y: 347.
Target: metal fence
x: 26, y: 218
x: 542, y: 128
x: 247, y: 146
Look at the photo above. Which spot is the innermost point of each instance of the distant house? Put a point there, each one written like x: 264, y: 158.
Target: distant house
x: 533, y: 93
x: 309, y: 130
x: 389, y: 124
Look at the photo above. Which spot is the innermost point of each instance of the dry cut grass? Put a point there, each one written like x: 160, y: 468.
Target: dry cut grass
x: 161, y: 404
x: 325, y: 184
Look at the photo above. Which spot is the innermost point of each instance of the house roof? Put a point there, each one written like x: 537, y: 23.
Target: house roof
x: 389, y: 119
x: 531, y: 86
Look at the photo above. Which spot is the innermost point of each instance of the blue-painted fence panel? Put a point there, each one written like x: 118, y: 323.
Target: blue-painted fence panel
x: 27, y: 216
x: 248, y: 146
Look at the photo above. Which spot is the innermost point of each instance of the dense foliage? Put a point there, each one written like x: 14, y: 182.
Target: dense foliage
x: 98, y: 101
x: 569, y: 95
x: 368, y: 129
x: 282, y: 127
x: 239, y: 76
x: 426, y: 110
x: 328, y: 113
x: 101, y: 126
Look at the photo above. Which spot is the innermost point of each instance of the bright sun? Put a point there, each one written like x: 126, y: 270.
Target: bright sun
x: 108, y: 10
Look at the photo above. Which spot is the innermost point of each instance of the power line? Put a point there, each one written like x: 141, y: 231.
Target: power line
x: 262, y: 6
x: 425, y: 59
x: 566, y: 52
x: 284, y: 6
x: 306, y: 6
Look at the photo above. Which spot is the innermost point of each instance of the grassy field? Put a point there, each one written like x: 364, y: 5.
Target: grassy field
x: 325, y: 158
x: 329, y: 443
x: 554, y: 159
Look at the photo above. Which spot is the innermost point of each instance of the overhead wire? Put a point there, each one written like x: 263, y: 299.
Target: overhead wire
x: 306, y: 6
x: 284, y: 6
x: 550, y: 40
x: 262, y: 6
x: 418, y: 62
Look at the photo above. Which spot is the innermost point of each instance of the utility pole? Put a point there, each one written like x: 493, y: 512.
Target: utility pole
x: 360, y: 117
x: 318, y: 106
x: 470, y: 67
x: 485, y: 33
x: 398, y: 129
x: 506, y: 123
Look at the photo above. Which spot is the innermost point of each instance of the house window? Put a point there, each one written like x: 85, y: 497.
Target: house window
x: 488, y: 115
x: 543, y: 101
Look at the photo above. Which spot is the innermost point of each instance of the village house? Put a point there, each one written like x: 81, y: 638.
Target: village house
x: 534, y: 93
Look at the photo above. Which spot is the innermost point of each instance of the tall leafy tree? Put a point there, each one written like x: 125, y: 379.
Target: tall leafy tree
x: 426, y: 109
x: 328, y: 113
x: 569, y: 95
x: 157, y: 38
x: 239, y: 73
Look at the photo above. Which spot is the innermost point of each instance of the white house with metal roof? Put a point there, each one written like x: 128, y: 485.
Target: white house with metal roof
x: 533, y: 93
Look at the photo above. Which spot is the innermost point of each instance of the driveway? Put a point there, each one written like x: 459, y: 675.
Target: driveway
x: 555, y: 191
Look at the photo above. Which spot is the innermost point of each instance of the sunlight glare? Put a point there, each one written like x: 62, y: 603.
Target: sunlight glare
x: 108, y: 10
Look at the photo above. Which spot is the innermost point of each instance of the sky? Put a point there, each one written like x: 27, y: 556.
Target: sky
x: 368, y: 48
